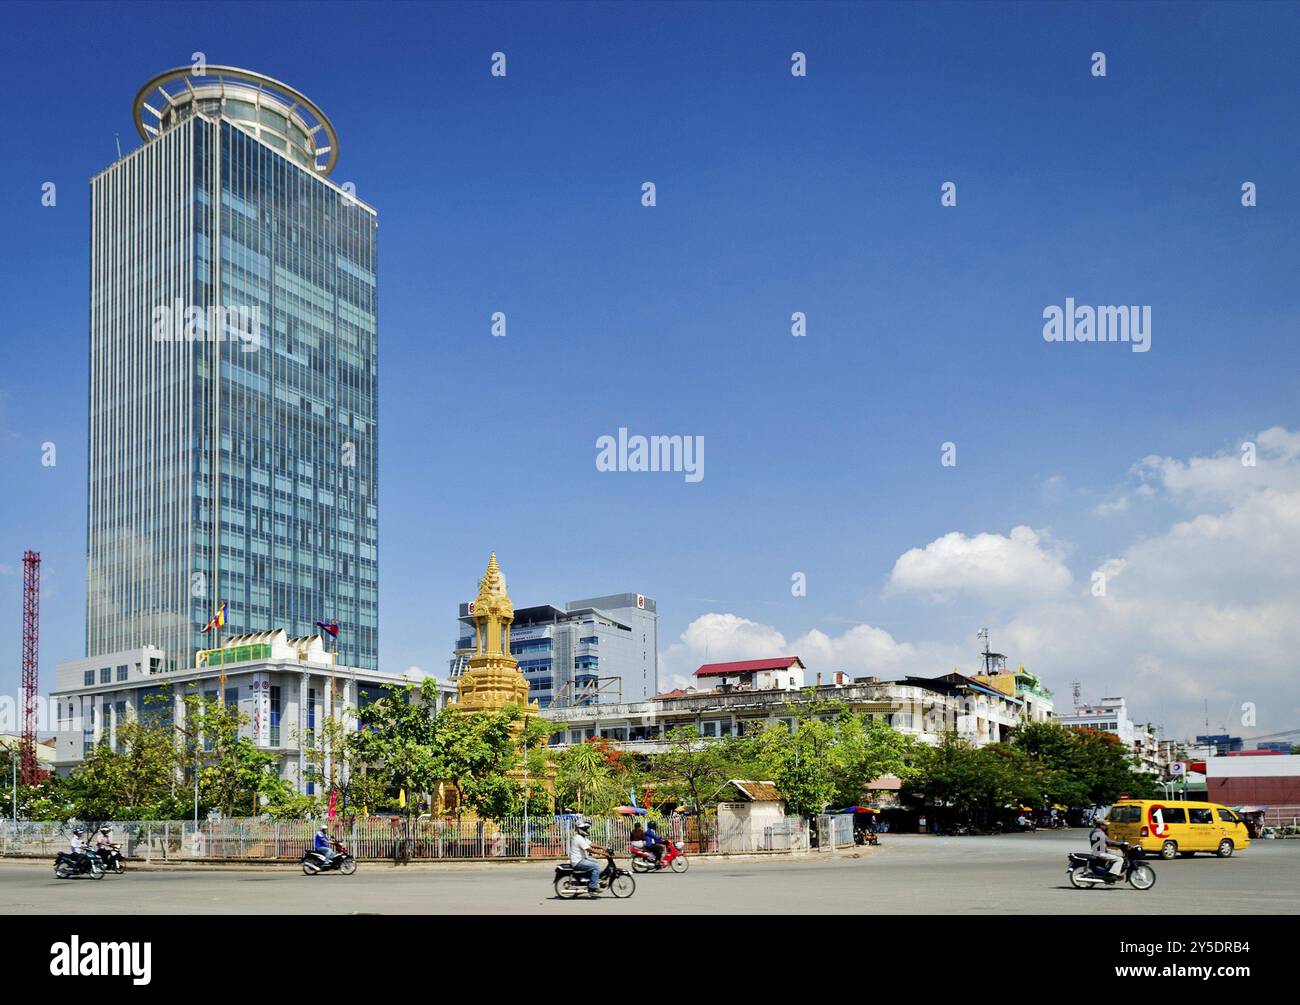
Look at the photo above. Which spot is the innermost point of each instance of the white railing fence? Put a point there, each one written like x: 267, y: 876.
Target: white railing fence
x: 366, y: 837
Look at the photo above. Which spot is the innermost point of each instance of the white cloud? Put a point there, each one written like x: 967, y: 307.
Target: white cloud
x: 1119, y: 505
x: 1021, y: 564
x: 1223, y: 478
x: 861, y: 650
x: 1206, y: 612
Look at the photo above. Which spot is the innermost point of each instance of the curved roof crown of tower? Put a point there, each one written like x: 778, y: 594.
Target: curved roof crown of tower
x: 274, y: 112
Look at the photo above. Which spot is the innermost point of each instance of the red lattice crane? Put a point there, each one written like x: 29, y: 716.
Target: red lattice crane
x: 27, y: 765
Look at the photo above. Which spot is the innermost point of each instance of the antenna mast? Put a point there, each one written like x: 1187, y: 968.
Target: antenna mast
x: 31, y: 645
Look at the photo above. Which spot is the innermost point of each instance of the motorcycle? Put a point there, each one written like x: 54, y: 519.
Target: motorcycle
x: 616, y: 880
x: 864, y: 835
x: 1087, y: 870
x: 112, y: 859
x: 314, y: 863
x: 67, y: 865
x: 673, y: 858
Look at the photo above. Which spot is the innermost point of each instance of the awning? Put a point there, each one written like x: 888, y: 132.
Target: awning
x: 856, y: 809
x: 630, y: 811
x: 1250, y: 809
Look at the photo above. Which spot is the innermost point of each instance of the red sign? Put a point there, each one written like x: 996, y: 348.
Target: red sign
x: 1156, y: 818
x: 334, y: 803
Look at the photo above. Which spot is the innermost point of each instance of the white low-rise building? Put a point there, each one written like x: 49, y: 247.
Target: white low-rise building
x: 923, y: 707
x: 284, y: 687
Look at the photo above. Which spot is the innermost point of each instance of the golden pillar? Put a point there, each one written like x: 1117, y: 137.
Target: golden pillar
x: 493, y: 680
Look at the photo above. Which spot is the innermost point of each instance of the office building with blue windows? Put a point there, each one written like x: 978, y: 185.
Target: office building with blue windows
x: 233, y: 432
x: 600, y: 650
x: 233, y: 389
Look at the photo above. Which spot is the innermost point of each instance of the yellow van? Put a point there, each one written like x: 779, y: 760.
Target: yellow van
x: 1170, y: 827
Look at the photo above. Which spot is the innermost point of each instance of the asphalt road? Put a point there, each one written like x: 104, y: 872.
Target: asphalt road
x: 909, y: 874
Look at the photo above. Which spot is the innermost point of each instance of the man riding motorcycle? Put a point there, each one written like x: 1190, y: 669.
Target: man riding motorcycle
x: 654, y: 843
x: 323, y: 846
x: 582, y: 863
x: 104, y: 839
x: 1099, y: 843
x: 76, y: 846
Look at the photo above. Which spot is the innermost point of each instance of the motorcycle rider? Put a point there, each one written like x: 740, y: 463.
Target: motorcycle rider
x: 77, y: 846
x: 1099, y: 842
x: 323, y: 846
x: 104, y: 844
x: 583, y: 863
x: 654, y: 843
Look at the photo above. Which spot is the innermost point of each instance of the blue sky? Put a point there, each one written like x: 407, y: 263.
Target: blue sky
x: 775, y: 194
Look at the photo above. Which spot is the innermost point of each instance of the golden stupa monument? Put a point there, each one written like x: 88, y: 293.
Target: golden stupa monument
x: 492, y: 680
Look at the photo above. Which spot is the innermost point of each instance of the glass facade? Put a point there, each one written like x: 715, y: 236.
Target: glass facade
x: 233, y: 398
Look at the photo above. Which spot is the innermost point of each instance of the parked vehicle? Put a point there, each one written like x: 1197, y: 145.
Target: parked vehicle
x: 1173, y: 827
x: 67, y: 865
x: 313, y: 862
x: 111, y: 858
x: 673, y: 858
x: 616, y: 880
x: 1087, y: 871
x: 864, y: 835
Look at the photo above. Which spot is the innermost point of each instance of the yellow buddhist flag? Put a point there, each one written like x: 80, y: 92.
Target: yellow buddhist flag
x: 401, y: 798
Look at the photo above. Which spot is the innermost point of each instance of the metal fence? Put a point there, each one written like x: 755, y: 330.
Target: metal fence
x: 834, y: 830
x: 366, y: 837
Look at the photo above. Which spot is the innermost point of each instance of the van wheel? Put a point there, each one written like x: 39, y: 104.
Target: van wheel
x: 1225, y: 849
x: 1169, y: 851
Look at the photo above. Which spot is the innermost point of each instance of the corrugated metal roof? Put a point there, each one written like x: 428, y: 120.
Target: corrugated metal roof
x: 746, y: 666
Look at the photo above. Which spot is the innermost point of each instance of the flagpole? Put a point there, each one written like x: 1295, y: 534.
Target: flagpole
x: 334, y: 662
x: 221, y: 656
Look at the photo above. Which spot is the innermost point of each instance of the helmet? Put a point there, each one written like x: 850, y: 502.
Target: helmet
x: 324, y: 829
x: 105, y: 830
x: 76, y: 830
x: 582, y: 825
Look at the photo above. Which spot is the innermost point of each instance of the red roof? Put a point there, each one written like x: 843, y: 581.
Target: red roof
x: 746, y: 666
x: 676, y: 692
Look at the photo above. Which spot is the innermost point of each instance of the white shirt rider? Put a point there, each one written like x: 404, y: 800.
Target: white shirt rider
x: 578, y: 848
x: 1101, y: 845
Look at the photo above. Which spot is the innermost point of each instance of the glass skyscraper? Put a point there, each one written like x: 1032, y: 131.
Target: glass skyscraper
x: 233, y: 386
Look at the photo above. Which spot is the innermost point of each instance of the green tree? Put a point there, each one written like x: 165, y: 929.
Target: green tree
x: 799, y: 759
x: 975, y: 783
x: 234, y: 774
x: 140, y: 782
x: 585, y: 779
x: 405, y: 746
x: 1082, y: 767
x: 692, y: 768
x: 483, y: 754
x: 395, y: 746
x: 864, y: 750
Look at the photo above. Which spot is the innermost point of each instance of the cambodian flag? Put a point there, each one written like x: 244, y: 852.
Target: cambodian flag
x: 329, y: 626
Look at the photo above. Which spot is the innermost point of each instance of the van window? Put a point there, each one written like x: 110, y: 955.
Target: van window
x: 1228, y: 817
x: 1125, y: 814
x: 1174, y: 815
x: 1201, y: 816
